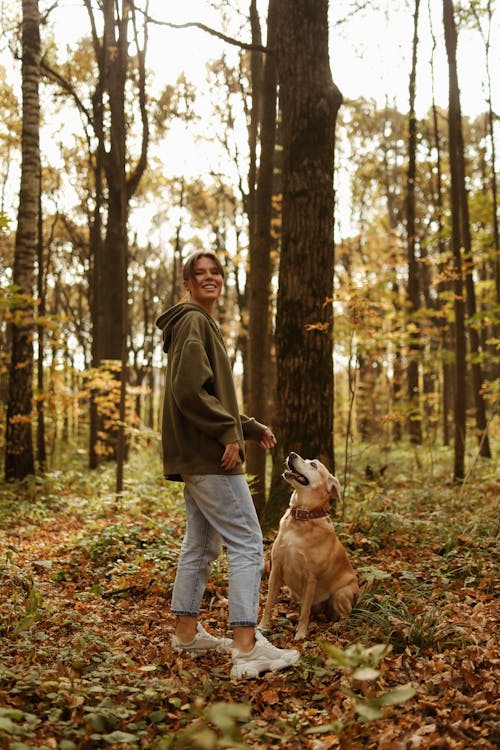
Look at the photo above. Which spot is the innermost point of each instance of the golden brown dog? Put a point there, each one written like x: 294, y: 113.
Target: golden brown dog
x: 307, y: 555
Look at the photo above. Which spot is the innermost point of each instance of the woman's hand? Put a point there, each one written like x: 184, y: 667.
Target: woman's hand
x: 268, y: 440
x: 230, y: 456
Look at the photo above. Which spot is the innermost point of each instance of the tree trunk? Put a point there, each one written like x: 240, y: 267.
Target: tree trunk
x: 19, y: 459
x: 447, y: 379
x: 486, y: 37
x: 109, y: 296
x: 259, y: 279
x: 465, y: 238
x: 390, y: 187
x: 473, y: 332
x: 304, y: 337
x: 256, y: 68
x: 41, y: 451
x: 458, y: 286
x: 414, y: 336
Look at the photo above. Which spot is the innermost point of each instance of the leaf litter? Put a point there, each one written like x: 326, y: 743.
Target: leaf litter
x: 86, y: 660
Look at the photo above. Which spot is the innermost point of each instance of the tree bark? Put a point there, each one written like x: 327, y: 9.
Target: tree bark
x: 458, y: 286
x: 414, y: 334
x: 486, y: 37
x: 110, y: 254
x: 19, y: 458
x: 309, y: 103
x: 41, y: 450
x: 259, y: 280
x: 457, y: 165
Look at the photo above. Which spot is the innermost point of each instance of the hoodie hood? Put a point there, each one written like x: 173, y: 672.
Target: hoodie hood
x: 168, y: 320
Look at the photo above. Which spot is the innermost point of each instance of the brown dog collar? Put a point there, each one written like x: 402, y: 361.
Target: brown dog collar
x: 301, y: 514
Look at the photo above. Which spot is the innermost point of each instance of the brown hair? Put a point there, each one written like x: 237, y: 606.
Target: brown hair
x: 189, y: 266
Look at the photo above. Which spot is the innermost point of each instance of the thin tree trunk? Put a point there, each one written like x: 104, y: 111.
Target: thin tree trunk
x: 390, y: 188
x: 41, y: 290
x: 414, y: 344
x: 447, y: 379
x: 442, y: 323
x: 96, y: 249
x: 491, y: 133
x: 19, y: 458
x: 256, y: 68
x: 259, y: 282
x: 458, y: 286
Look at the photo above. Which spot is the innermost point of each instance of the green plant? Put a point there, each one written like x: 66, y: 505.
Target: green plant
x: 31, y: 611
x: 361, y: 666
x: 217, y: 726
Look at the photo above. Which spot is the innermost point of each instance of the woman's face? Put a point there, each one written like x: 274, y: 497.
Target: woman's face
x: 205, y: 285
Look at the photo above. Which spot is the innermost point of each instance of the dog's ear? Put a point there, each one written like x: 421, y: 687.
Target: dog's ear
x: 334, y: 487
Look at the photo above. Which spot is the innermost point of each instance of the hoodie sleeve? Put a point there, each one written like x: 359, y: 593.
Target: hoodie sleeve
x: 252, y: 430
x: 192, y: 386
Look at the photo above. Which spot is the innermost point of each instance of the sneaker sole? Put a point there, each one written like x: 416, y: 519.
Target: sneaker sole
x: 255, y: 669
x: 200, y: 652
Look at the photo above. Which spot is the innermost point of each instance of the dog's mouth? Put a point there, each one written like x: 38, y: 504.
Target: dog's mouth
x: 291, y: 473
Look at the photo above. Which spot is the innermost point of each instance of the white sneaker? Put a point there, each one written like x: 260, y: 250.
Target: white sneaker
x: 264, y: 657
x: 202, y: 642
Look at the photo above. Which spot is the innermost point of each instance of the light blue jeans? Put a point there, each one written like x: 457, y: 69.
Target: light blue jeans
x: 220, y: 510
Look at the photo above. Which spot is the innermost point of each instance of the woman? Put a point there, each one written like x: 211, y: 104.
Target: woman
x: 203, y: 445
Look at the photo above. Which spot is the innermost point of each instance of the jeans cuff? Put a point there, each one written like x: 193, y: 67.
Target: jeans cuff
x: 183, y: 613
x: 243, y: 624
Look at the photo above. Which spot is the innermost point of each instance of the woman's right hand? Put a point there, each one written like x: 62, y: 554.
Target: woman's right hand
x: 230, y: 456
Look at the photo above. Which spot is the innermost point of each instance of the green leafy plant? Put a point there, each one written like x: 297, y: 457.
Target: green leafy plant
x: 217, y: 726
x: 31, y: 611
x: 362, y: 667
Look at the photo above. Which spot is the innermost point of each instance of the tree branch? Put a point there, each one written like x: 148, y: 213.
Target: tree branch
x: 202, y: 27
x: 66, y: 86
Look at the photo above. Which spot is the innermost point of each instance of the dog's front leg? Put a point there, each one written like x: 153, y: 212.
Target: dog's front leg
x: 305, y: 607
x: 275, y: 581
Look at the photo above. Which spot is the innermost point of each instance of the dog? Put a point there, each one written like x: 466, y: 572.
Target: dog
x: 307, y: 555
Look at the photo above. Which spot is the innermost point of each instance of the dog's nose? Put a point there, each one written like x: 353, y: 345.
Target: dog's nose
x: 292, y: 455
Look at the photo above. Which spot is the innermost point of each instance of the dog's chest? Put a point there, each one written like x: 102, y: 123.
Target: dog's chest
x: 305, y: 541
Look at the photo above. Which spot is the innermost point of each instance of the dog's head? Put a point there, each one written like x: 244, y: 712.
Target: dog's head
x: 311, y: 480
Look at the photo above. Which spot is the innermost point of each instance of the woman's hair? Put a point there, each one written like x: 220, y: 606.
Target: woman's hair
x: 189, y: 266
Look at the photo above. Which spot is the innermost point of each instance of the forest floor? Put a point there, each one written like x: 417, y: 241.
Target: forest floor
x: 86, y: 660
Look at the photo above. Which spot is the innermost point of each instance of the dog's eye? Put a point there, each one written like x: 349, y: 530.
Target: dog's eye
x: 313, y: 465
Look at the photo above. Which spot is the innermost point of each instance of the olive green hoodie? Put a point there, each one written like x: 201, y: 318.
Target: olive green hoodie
x: 200, y: 409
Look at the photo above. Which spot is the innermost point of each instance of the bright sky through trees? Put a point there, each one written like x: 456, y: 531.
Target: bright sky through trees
x: 370, y: 50
x: 370, y: 57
